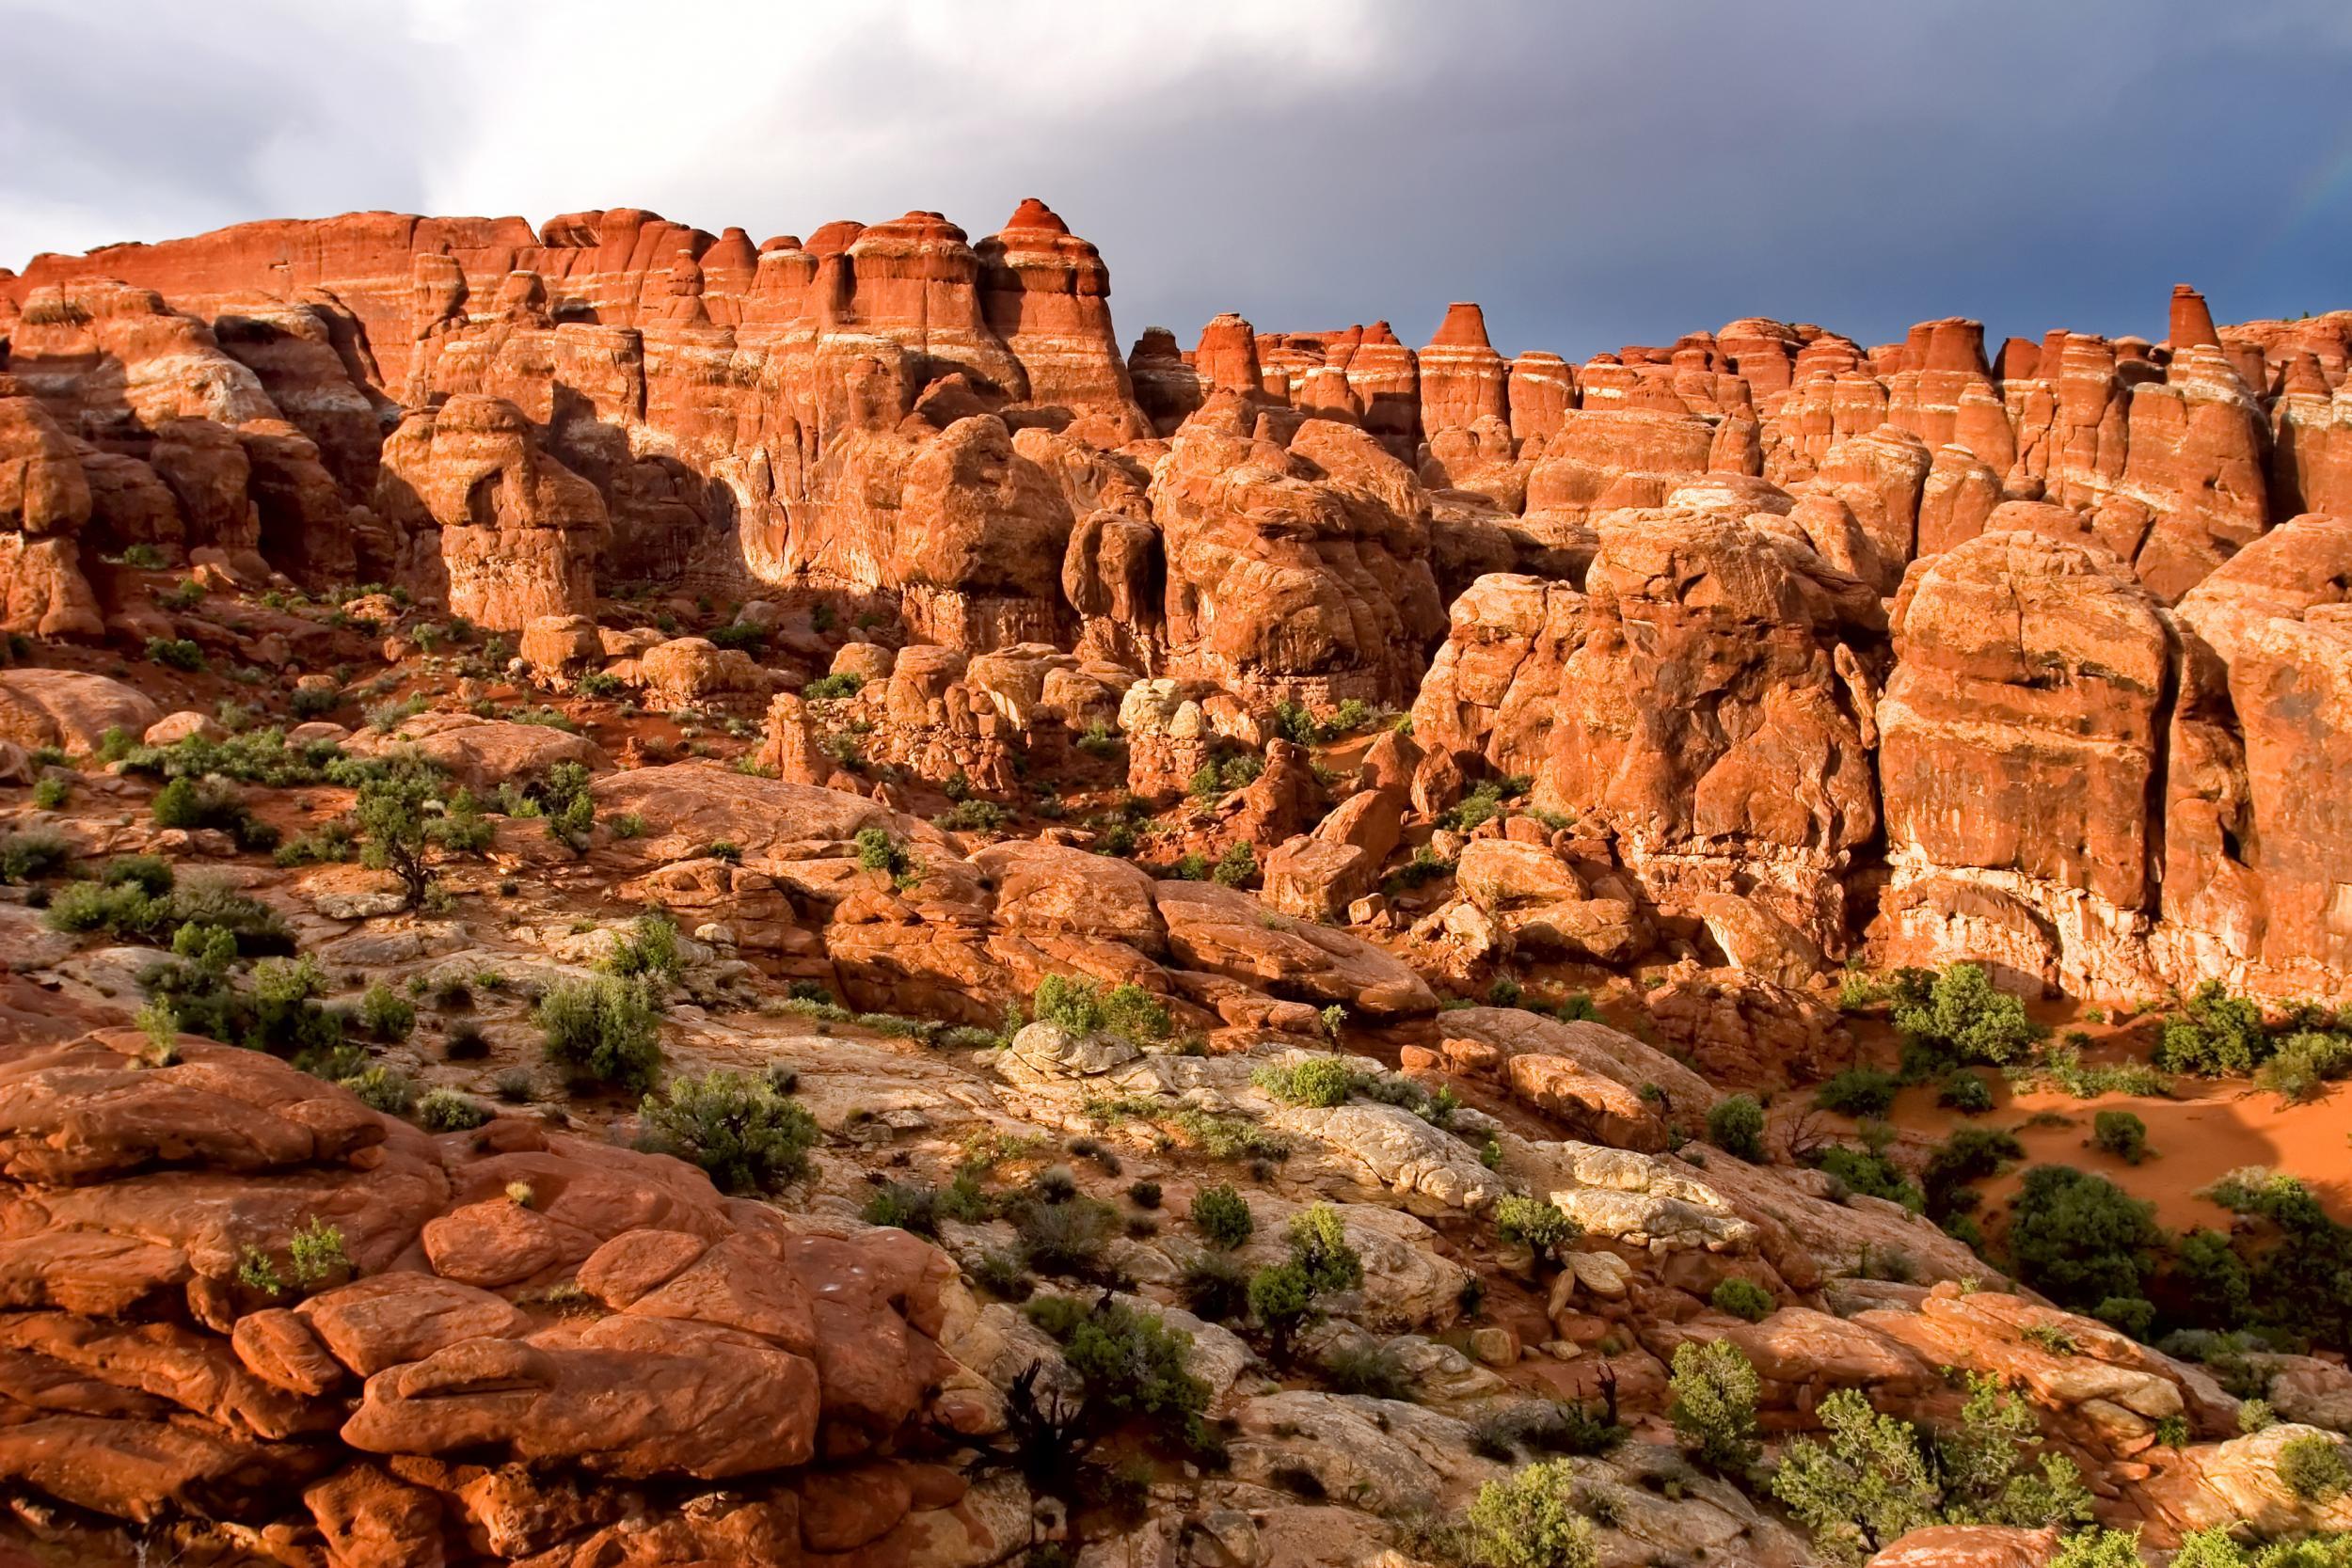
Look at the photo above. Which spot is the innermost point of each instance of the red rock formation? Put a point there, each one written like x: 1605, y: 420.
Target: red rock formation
x: 2256, y: 826
x: 1294, y: 573
x: 728, y: 1346
x: 1601, y: 460
x: 44, y: 502
x: 2020, y: 741
x: 1045, y: 293
x: 1463, y: 380
x: 503, y: 530
x: 1542, y: 390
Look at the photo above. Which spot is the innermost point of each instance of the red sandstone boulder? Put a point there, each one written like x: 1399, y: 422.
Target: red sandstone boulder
x: 2019, y: 736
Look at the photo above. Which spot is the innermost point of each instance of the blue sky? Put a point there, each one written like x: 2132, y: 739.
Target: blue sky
x: 1592, y: 174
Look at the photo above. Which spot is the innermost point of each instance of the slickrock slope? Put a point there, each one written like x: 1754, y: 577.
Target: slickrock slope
x: 1260, y: 937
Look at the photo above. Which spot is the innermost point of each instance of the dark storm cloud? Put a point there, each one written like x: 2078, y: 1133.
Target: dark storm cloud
x: 1594, y: 175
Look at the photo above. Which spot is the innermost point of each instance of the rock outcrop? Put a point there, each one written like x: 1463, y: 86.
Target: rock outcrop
x: 417, y: 1388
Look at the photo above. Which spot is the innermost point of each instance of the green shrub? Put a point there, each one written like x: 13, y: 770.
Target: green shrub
x: 737, y: 1128
x: 1964, y: 1018
x: 1084, y: 1007
x: 151, y: 874
x: 1713, y: 1392
x: 2311, y: 1467
x: 1735, y: 1124
x: 1530, y: 1520
x: 1970, y: 1154
x: 2215, y: 1035
x: 918, y: 1207
x: 51, y: 793
x: 2121, y: 1133
x: 176, y: 653
x: 2129, y: 1315
x: 1857, y: 1092
x: 1131, y: 1363
x: 1534, y: 1223
x: 391, y: 820
x: 1064, y: 1233
x: 1870, y: 1172
x: 1216, y: 1285
x: 649, y: 948
x: 2303, y: 1064
x: 2080, y: 1239
x: 1319, y: 1246
x: 826, y: 687
x: 447, y: 1111
x: 974, y: 815
x: 1222, y: 1216
x: 1475, y: 808
x: 382, y: 1088
x: 2099, y: 1548
x: 1965, y: 1092
x: 32, y: 853
x: 1236, y: 867
x: 605, y: 1032
x: 1281, y: 1298
x: 314, y: 1252
x: 1321, y: 1081
x: 385, y: 1014
x: 2209, y: 1281
x: 2302, y: 1274
x: 1285, y: 1297
x: 1861, y: 1487
x: 1743, y: 1298
x: 1369, y: 1368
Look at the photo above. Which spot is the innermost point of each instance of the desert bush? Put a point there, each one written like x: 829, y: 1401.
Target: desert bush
x: 1367, y: 1368
x: 385, y: 1014
x: 1530, y: 1520
x: 1871, y: 1479
x: 604, y: 1032
x: 1083, y: 1006
x: 1216, y: 1285
x: 1965, y: 1092
x: 649, y: 948
x: 1316, y: 1081
x: 1743, y: 1298
x: 32, y: 853
x: 1236, y: 867
x: 746, y: 1135
x: 2215, y: 1035
x: 1964, y: 1018
x: 1222, y: 1216
x: 1713, y: 1392
x: 447, y: 1111
x: 1857, y: 1092
x: 2311, y: 1467
x: 385, y: 1089
x: 2080, y: 1239
x: 1131, y: 1363
x: 1065, y: 1234
x: 1970, y: 1154
x: 1870, y: 1172
x: 1735, y: 1124
x: 2121, y: 1133
x: 2304, y: 1062
x: 1534, y: 1223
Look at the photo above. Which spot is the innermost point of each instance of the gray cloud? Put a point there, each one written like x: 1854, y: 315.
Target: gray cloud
x: 1594, y: 175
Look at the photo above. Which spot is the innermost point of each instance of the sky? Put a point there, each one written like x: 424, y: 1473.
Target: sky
x: 1594, y: 174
